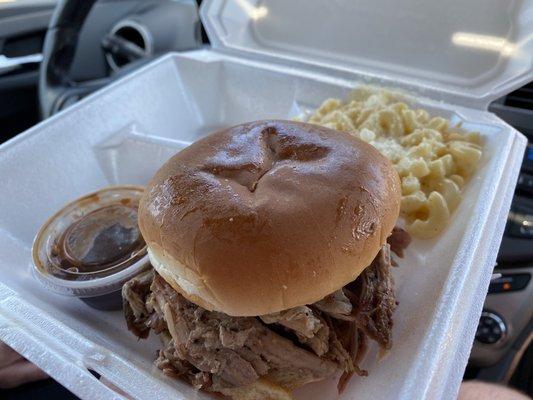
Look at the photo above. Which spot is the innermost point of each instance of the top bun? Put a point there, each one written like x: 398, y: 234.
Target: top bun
x: 268, y: 215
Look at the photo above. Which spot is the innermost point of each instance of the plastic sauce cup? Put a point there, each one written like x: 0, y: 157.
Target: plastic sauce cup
x: 92, y: 246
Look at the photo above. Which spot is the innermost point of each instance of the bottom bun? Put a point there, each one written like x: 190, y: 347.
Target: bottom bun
x: 259, y: 390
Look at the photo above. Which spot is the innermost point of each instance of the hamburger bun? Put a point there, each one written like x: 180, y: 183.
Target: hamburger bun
x: 268, y: 215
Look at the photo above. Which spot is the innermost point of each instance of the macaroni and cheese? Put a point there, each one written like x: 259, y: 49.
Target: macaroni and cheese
x: 433, y: 159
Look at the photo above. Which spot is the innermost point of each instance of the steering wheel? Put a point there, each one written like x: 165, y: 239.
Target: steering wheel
x: 175, y: 27
x: 55, y: 86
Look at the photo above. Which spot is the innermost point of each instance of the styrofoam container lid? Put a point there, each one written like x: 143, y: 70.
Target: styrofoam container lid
x: 477, y: 50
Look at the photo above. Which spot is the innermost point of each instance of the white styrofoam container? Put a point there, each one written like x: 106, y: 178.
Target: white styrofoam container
x: 264, y: 65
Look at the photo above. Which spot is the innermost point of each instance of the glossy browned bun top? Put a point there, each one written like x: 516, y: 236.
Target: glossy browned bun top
x: 268, y: 215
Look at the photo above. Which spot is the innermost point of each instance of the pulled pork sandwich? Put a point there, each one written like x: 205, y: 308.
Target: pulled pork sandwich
x: 270, y: 243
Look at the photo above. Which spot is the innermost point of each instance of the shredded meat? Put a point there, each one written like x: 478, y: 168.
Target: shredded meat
x: 398, y: 240
x: 337, y: 305
x: 213, y: 351
x: 354, y: 340
x: 237, y: 350
x: 372, y: 293
x: 309, y: 328
x: 299, y: 319
x: 134, y: 294
x: 338, y: 352
x: 318, y: 343
x: 172, y: 365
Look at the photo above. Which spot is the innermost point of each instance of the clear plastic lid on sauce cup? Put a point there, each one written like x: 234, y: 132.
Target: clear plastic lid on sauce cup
x: 92, y: 246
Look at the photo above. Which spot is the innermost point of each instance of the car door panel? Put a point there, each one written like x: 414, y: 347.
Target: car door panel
x: 23, y: 26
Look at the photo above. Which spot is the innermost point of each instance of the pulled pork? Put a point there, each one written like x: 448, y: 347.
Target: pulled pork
x: 337, y: 305
x: 398, y: 240
x: 309, y: 328
x: 213, y: 351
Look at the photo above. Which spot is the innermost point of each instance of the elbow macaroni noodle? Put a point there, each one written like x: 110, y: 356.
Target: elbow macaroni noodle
x: 433, y: 159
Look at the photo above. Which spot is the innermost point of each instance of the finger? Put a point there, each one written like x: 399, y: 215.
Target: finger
x: 20, y: 372
x: 7, y: 355
x: 477, y: 390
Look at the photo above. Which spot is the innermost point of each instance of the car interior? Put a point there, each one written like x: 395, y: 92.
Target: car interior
x: 51, y: 59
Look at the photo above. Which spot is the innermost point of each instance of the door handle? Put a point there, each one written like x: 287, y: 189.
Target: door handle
x: 8, y: 64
